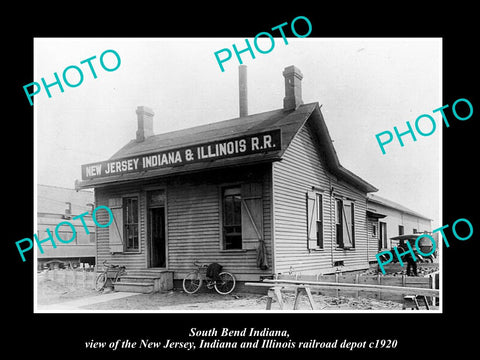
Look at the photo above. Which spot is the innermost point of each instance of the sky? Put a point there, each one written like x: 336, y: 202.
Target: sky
x: 364, y: 86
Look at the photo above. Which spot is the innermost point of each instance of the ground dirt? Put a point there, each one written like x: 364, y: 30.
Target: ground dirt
x: 178, y: 300
x: 54, y: 292
x: 50, y: 292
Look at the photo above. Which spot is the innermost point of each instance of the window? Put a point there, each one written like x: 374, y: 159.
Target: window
x: 352, y: 218
x: 67, y: 236
x: 345, y: 223
x: 382, y: 241
x: 314, y: 220
x: 415, y: 231
x: 319, y: 222
x: 400, y: 230
x: 130, y: 223
x: 232, y: 218
x: 374, y: 230
x: 242, y: 216
x: 339, y: 222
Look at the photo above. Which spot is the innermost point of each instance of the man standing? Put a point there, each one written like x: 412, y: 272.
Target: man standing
x: 411, y: 263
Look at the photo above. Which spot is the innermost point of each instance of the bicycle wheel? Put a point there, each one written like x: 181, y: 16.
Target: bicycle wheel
x: 100, y: 281
x: 192, y: 282
x: 119, y: 273
x: 225, y: 284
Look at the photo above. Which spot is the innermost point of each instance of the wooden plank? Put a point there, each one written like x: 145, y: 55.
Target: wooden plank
x: 356, y: 282
x: 383, y: 288
x: 310, y: 297
x: 349, y: 279
x: 391, y: 280
x: 270, y: 299
x: 278, y: 294
x: 298, y: 292
x: 336, y: 280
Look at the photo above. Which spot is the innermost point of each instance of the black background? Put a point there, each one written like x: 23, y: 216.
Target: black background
x: 61, y: 335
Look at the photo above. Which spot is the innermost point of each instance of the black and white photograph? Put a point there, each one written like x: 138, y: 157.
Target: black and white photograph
x: 281, y: 190
x: 258, y: 188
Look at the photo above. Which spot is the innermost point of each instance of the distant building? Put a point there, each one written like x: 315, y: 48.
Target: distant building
x: 387, y: 219
x: 56, y: 204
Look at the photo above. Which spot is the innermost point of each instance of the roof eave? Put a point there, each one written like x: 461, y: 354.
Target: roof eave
x: 405, y: 211
x: 331, y: 155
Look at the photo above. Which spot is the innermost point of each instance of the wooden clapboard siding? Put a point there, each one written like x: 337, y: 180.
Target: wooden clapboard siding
x: 301, y: 169
x: 194, y: 224
x: 133, y: 260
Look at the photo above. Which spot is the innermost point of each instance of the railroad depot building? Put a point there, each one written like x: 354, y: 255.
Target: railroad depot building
x: 260, y: 194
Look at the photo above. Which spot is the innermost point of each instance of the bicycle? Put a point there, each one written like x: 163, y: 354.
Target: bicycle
x: 112, y: 272
x: 194, y: 280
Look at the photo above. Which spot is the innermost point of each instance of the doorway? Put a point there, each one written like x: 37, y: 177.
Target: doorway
x: 156, y: 230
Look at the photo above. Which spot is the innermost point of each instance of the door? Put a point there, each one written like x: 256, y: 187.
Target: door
x: 156, y: 237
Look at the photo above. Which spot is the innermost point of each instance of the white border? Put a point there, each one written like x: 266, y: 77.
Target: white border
x: 81, y: 311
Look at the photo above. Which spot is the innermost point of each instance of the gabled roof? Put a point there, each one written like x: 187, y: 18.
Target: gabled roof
x: 374, y: 198
x: 289, y: 122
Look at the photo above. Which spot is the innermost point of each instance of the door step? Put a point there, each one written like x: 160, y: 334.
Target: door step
x: 136, y: 287
x: 145, y: 281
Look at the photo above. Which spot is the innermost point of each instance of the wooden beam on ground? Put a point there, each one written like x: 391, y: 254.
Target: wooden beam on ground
x: 344, y: 286
x: 277, y: 291
x: 310, y: 297
x: 298, y: 291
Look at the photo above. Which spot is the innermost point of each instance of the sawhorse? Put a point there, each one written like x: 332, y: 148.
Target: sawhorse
x: 410, y: 301
x: 276, y: 292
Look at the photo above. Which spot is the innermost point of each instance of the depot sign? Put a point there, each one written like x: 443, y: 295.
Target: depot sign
x: 228, y: 148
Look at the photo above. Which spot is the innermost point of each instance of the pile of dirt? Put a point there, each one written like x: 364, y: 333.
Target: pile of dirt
x: 423, y: 269
x: 324, y: 302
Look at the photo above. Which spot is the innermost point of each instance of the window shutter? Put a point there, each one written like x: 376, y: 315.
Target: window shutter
x: 311, y: 220
x: 252, y: 215
x: 347, y: 225
x: 115, y: 230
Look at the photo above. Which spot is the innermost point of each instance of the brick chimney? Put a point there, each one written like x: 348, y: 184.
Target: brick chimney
x: 293, y: 88
x: 242, y: 90
x: 145, y: 122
